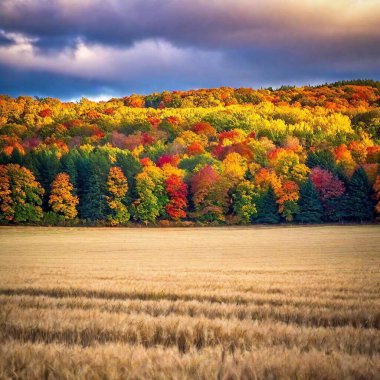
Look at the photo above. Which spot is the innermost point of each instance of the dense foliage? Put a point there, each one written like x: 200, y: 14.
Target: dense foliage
x: 235, y: 156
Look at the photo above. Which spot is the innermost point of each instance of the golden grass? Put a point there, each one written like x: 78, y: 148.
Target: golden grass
x: 209, y: 303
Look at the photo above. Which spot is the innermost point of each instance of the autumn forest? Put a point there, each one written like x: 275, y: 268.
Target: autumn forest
x: 208, y: 156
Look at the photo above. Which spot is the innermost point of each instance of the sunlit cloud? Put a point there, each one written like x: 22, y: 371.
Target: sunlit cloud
x: 144, y: 59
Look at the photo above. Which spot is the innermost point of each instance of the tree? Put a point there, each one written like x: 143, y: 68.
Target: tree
x: 62, y: 200
x: 203, y: 145
x: 265, y: 178
x: 203, y: 128
x: 331, y: 191
x: 376, y: 188
x: 210, y: 194
x: 310, y: 206
x: 93, y: 202
x: 287, y: 196
x: 93, y: 167
x: 68, y: 166
x: 338, y: 208
x: 6, y: 202
x: 157, y: 175
x: 146, y: 208
x: 243, y: 201
x: 327, y: 185
x: 287, y: 165
x: 234, y: 167
x: 20, y: 195
x: 267, y: 208
x: 17, y: 157
x: 359, y: 192
x: 286, y: 191
x: 323, y: 158
x: 46, y: 165
x: 344, y: 159
x: 130, y: 167
x: 117, y: 186
x: 177, y: 191
x: 151, y: 192
x: 167, y: 159
x: 192, y: 163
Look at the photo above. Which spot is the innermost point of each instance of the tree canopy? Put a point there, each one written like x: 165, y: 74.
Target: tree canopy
x: 223, y: 155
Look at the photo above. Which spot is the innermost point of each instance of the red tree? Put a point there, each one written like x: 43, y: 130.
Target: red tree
x: 210, y: 194
x: 204, y: 128
x: 167, y: 159
x: 327, y: 185
x: 47, y: 112
x: 195, y: 148
x: 177, y: 191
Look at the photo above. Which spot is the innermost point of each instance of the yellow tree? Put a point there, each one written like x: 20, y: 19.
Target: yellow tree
x: 153, y: 197
x: 243, y: 201
x: 287, y: 164
x: 62, y: 200
x: 117, y: 187
x: 234, y: 167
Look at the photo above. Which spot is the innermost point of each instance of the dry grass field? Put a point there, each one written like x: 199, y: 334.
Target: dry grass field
x: 208, y: 303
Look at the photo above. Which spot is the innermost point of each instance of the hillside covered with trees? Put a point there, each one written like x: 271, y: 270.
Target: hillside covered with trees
x: 209, y: 156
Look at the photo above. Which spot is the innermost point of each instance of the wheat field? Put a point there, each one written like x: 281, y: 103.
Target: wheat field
x: 184, y: 303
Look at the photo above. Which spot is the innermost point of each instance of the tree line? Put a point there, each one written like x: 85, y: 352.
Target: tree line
x: 111, y: 186
x: 116, y: 163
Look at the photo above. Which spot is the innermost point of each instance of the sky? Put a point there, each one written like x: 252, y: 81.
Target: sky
x: 105, y: 48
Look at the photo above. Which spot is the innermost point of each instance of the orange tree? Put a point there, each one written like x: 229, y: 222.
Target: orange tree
x: 61, y: 200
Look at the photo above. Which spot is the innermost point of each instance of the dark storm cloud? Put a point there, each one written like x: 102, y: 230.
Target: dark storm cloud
x: 16, y: 82
x: 211, y: 24
x: 4, y: 40
x: 87, y: 47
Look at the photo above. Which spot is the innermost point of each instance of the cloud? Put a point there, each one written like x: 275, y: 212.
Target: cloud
x: 146, y: 59
x: 209, y: 24
x: 149, y: 45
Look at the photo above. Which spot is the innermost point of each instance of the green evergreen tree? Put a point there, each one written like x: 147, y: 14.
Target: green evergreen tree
x: 310, y: 206
x: 93, y: 204
x: 69, y: 167
x: 340, y: 173
x: 83, y: 167
x: 45, y: 166
x: 267, y: 208
x: 338, y: 209
x: 323, y: 158
x: 359, y: 193
x: 130, y: 167
x: 93, y: 169
x: 17, y: 157
x: 4, y: 159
